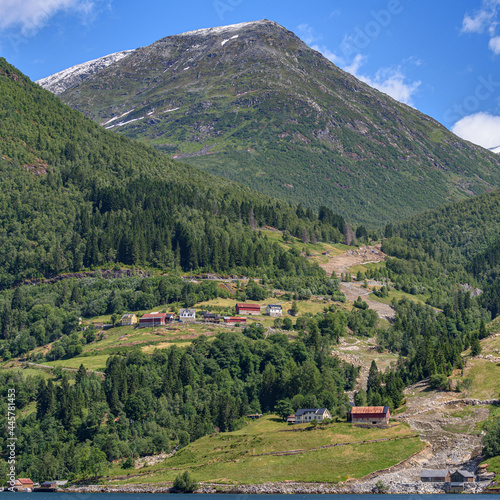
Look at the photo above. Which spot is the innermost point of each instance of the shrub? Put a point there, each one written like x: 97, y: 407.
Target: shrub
x: 184, y: 483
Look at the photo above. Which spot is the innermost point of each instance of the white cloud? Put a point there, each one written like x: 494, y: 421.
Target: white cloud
x: 307, y: 33
x: 328, y: 54
x: 484, y: 19
x: 393, y: 82
x: 31, y: 15
x: 494, y: 45
x: 390, y: 81
x: 479, y: 128
x: 357, y: 62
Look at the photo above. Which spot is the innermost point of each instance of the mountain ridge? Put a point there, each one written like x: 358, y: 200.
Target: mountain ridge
x: 61, y: 81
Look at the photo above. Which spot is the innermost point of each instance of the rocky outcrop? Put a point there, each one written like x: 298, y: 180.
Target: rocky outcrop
x: 106, y: 274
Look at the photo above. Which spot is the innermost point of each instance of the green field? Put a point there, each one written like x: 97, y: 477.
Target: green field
x: 243, y: 456
x: 95, y: 363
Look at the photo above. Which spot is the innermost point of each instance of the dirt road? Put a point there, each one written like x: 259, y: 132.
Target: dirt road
x: 340, y: 264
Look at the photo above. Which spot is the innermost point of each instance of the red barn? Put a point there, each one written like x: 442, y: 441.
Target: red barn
x: 153, y: 319
x: 369, y: 415
x: 247, y: 309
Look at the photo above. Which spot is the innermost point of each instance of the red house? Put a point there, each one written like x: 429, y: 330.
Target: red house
x: 247, y: 309
x: 23, y: 484
x: 369, y: 415
x: 234, y: 320
x: 153, y: 319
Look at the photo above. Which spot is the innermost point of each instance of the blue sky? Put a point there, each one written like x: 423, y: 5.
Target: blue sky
x: 439, y: 57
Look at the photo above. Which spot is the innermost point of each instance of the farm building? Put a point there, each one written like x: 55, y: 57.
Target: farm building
x: 128, y: 319
x: 274, y: 310
x: 233, y: 320
x: 304, y: 415
x: 369, y: 415
x: 247, y: 309
x: 187, y: 315
x: 153, y: 319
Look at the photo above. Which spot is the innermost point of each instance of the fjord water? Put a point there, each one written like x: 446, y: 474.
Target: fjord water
x: 172, y: 496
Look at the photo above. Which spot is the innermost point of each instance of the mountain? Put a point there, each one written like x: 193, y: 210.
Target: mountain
x: 59, y: 82
x: 253, y: 103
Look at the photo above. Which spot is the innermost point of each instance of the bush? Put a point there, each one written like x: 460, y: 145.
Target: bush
x: 128, y: 463
x: 438, y: 381
x: 184, y: 483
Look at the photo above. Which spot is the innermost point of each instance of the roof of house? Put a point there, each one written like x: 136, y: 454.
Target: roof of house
x: 359, y: 410
x: 190, y: 312
x: 128, y: 316
x: 48, y: 483
x: 465, y: 473
x: 316, y: 411
x: 25, y: 481
x: 434, y: 473
x: 249, y: 306
x: 274, y: 305
x: 154, y: 315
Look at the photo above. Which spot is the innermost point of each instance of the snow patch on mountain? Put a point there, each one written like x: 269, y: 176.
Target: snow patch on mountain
x: 227, y: 40
x: 224, y: 29
x: 59, y: 82
x: 495, y: 150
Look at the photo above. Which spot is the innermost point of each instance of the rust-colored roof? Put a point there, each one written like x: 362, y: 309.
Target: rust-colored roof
x: 25, y: 481
x: 248, y: 306
x: 154, y: 315
x: 369, y: 409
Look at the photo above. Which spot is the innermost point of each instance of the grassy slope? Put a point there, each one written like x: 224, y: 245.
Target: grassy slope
x: 234, y: 457
x: 484, y: 372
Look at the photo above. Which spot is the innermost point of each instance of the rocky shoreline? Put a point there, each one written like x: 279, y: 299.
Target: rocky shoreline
x: 416, y: 487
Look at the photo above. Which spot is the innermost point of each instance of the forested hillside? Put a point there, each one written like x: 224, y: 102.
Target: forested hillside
x: 75, y: 196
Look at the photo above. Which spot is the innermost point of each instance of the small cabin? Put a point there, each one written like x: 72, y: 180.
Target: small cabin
x: 234, y: 320
x: 462, y: 476
x: 369, y: 415
x: 23, y: 484
x: 435, y: 476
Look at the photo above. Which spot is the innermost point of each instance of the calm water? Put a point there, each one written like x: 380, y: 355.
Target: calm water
x: 171, y: 496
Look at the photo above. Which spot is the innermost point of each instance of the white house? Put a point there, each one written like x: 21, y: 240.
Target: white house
x: 274, y: 310
x: 307, y: 414
x: 187, y: 315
